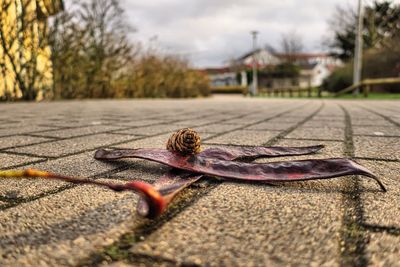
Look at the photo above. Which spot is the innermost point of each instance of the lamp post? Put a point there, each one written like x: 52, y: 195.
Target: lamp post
x: 254, y: 87
x: 358, y: 49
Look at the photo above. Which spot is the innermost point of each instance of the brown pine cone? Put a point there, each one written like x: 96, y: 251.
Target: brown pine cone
x: 185, y: 141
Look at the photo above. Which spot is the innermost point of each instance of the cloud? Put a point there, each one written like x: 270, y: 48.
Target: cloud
x: 210, y: 32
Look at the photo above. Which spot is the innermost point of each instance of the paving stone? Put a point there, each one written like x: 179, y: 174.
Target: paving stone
x: 366, y: 122
x: 334, y: 119
x: 25, y: 129
x: 62, y: 229
x: 82, y: 165
x: 12, y: 141
x: 327, y: 123
x: 151, y: 130
x: 287, y: 119
x: 272, y: 126
x: 158, y: 141
x: 65, y: 133
x: 75, y: 145
x: 9, y: 160
x: 364, y: 115
x: 256, y: 220
x: 195, y: 122
x: 377, y: 147
x: 322, y: 133
x: 135, y: 123
x: 75, y: 123
x: 383, y: 250
x: 215, y: 128
x: 242, y: 121
x: 244, y: 137
x: 376, y: 130
x: 381, y: 208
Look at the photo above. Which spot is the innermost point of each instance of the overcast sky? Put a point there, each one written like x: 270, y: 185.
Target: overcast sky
x: 210, y: 32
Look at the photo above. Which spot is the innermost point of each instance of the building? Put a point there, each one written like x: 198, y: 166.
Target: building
x: 311, y: 69
x: 25, y: 64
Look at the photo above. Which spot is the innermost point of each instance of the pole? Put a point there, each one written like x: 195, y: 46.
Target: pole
x: 255, y: 82
x: 358, y: 49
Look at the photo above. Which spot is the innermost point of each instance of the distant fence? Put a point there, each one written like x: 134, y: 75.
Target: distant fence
x: 367, y: 84
x: 229, y: 89
x: 291, y: 91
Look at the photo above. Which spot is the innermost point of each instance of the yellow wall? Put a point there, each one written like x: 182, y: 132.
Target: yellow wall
x: 25, y: 47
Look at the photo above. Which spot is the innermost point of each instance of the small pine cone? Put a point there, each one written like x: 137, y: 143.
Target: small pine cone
x: 185, y: 141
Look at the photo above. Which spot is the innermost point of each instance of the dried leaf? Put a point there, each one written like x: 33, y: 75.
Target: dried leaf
x: 267, y: 172
x: 175, y: 181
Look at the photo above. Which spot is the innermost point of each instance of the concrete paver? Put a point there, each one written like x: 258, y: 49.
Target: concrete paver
x: 69, y: 146
x: 13, y: 141
x: 376, y: 130
x: 8, y: 160
x: 65, y: 133
x: 380, y: 209
x: 322, y: 133
x: 383, y: 250
x: 48, y: 223
x: 252, y: 225
x: 377, y: 147
x: 245, y: 137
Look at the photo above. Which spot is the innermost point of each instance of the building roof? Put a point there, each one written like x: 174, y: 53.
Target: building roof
x: 303, y: 56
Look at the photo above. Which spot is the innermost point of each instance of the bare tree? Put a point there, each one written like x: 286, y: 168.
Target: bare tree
x: 22, y: 41
x: 291, y: 44
x: 92, y: 38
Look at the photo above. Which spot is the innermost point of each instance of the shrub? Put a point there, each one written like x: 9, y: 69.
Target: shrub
x: 339, y: 79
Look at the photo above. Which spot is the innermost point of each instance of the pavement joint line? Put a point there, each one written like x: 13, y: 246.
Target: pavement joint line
x: 27, y: 154
x: 69, y: 138
x: 24, y: 164
x: 40, y: 131
x: 284, y: 133
x: 139, y: 233
x: 353, y: 237
x: 42, y: 136
x: 377, y: 159
x: 262, y: 130
x: 374, y: 228
x: 387, y: 118
x: 76, y: 152
x: 242, y: 127
x: 139, y: 135
x: 373, y: 135
x: 312, y: 139
x: 152, y: 259
x: 119, y: 250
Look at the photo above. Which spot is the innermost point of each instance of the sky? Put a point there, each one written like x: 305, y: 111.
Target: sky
x: 210, y: 32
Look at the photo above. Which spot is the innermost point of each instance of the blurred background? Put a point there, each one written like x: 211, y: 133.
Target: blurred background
x: 65, y: 49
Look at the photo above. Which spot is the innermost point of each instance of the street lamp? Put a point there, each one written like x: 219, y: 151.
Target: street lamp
x: 254, y: 87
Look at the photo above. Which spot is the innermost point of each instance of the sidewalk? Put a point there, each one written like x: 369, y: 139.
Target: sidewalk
x: 345, y: 221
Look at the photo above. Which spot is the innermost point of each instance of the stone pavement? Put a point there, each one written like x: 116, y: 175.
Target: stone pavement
x: 345, y: 221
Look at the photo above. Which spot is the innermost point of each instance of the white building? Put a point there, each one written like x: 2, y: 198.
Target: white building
x: 314, y: 68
